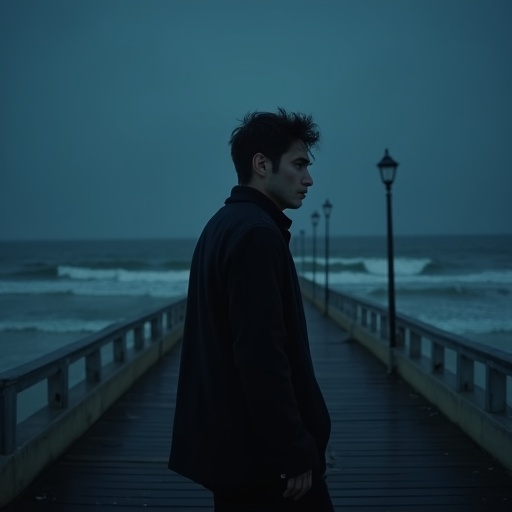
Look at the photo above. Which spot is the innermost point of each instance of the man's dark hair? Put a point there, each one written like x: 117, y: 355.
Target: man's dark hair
x: 271, y: 134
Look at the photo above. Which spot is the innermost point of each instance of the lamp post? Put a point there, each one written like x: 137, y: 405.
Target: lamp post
x: 315, y: 217
x: 387, y: 167
x: 327, y: 208
x: 302, y: 233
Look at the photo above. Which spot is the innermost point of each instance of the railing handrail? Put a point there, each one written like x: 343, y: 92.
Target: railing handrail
x: 25, y: 375
x: 471, y: 383
x: 54, y: 366
x: 449, y: 340
x: 457, y: 342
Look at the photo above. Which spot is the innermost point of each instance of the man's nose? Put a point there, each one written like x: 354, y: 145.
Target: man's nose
x: 308, y: 180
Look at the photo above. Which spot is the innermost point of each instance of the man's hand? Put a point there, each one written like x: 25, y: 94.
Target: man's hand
x: 298, y: 486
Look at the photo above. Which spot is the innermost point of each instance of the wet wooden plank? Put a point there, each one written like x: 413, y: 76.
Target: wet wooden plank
x: 391, y: 450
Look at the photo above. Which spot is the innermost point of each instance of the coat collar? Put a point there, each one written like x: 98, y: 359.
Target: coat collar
x: 241, y: 193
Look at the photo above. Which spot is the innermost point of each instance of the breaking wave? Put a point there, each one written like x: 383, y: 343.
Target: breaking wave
x: 372, y: 266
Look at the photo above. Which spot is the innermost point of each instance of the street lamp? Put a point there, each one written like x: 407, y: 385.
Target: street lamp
x: 302, y: 233
x: 387, y: 167
x: 315, y: 217
x: 327, y: 208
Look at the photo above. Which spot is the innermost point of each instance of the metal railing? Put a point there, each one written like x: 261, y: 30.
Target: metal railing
x: 125, y: 341
x: 480, y: 373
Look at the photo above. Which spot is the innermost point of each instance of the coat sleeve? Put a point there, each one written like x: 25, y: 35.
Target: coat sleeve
x: 255, y: 283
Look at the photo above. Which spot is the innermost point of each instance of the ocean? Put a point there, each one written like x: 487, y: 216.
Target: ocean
x: 55, y: 292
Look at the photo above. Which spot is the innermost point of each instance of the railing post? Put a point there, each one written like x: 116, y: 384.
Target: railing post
x: 156, y: 328
x: 119, y: 348
x: 465, y: 373
x: 93, y: 367
x: 437, y: 358
x: 495, y: 389
x: 8, y: 419
x: 58, y: 388
x: 414, y: 345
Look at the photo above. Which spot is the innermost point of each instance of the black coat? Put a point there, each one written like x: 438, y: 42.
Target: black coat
x: 248, y: 404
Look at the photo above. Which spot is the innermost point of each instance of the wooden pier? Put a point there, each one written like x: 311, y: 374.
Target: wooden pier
x: 390, y: 450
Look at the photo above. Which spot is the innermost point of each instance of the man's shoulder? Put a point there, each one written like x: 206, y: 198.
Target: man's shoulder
x: 240, y: 223
x: 242, y: 216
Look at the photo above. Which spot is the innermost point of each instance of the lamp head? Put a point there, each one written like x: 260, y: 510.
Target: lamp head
x: 327, y: 208
x: 387, y: 167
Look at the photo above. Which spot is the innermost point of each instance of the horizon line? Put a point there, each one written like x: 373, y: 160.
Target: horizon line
x: 190, y: 237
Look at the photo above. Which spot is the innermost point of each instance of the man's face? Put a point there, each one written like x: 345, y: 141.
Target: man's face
x: 289, y: 185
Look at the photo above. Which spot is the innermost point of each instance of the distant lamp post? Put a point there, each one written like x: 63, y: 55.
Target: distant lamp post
x: 315, y: 217
x: 387, y: 167
x: 302, y: 233
x: 327, y: 208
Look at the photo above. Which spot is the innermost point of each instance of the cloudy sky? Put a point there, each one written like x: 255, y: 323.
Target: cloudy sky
x: 115, y: 114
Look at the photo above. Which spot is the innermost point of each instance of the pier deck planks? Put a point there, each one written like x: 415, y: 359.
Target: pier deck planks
x: 390, y: 450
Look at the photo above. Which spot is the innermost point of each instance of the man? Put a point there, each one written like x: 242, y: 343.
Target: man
x: 251, y: 424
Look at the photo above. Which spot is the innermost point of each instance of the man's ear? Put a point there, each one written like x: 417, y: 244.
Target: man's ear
x: 260, y: 164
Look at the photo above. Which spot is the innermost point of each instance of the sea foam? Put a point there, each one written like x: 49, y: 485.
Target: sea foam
x: 122, y: 275
x: 160, y: 289
x: 56, y: 325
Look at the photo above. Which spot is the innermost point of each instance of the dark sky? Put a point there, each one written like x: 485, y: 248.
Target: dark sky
x: 115, y: 114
